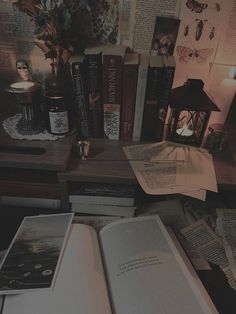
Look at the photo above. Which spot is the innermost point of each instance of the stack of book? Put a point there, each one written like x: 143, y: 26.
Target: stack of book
x: 120, y: 94
x: 103, y: 199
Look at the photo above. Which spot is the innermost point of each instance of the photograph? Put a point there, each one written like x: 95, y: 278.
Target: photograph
x: 164, y: 36
x: 34, y: 254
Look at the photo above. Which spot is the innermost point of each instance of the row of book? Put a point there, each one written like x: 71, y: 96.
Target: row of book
x: 119, y: 94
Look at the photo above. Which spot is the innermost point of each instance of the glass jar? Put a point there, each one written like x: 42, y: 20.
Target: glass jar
x: 57, y: 108
x: 217, y: 138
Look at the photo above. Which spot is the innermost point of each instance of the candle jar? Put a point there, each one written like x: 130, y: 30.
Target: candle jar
x: 216, y: 141
x: 28, y: 95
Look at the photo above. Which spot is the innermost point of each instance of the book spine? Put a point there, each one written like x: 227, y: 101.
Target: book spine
x: 154, y: 83
x: 112, y: 95
x: 130, y: 75
x: 140, y: 99
x: 168, y: 76
x: 94, y: 87
x: 80, y: 98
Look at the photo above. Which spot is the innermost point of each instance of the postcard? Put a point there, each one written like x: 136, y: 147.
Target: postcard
x: 34, y: 255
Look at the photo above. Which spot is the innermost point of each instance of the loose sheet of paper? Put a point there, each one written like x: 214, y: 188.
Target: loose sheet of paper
x: 168, y: 168
x: 202, y: 238
x: 226, y: 226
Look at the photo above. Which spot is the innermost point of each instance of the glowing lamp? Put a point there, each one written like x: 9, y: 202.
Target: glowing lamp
x: 190, y: 112
x: 27, y: 96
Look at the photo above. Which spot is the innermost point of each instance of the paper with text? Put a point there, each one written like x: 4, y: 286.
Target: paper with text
x: 226, y: 226
x: 202, y: 238
x: 145, y: 272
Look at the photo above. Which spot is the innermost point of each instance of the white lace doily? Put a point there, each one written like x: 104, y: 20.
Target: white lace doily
x: 10, y: 126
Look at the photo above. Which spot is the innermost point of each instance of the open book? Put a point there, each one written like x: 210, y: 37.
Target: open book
x: 131, y: 266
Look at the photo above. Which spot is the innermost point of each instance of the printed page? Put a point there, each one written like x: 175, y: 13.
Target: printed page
x: 145, y: 272
x: 145, y: 17
x: 126, y: 22
x: 163, y: 168
x: 202, y: 238
x: 80, y: 286
x: 96, y: 222
x: 198, y: 38
x: 198, y: 171
x: 32, y: 260
x: 226, y: 226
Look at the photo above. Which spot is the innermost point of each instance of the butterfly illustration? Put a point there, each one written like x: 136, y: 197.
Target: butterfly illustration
x: 196, y: 6
x: 199, y: 55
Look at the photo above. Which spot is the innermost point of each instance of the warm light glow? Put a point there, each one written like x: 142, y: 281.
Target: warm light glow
x: 22, y: 85
x: 232, y: 72
x: 184, y: 131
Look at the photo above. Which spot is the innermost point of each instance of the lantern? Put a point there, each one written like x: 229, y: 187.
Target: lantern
x: 190, y: 112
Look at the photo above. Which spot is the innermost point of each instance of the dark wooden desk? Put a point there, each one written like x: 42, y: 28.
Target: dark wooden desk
x: 108, y: 163
x: 29, y: 168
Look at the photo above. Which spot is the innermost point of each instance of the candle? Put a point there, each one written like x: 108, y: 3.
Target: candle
x: 184, y: 131
x: 22, y: 85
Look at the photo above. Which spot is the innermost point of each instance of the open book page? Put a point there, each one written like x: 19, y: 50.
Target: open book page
x: 226, y: 226
x: 80, y: 286
x: 145, y: 271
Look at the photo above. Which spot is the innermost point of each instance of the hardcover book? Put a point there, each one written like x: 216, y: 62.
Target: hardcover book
x: 93, y: 66
x: 153, y: 90
x: 104, y: 194
x: 77, y: 71
x: 163, y: 101
x: 140, y: 96
x: 145, y: 273
x: 103, y: 209
x: 130, y: 75
x: 113, y: 60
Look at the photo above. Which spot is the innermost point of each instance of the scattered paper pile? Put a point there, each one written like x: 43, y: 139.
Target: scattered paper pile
x: 170, y: 168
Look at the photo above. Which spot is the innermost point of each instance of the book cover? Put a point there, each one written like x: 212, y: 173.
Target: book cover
x: 140, y: 96
x: 153, y: 90
x: 130, y: 76
x: 164, y: 98
x: 113, y: 59
x: 93, y: 66
x: 77, y: 71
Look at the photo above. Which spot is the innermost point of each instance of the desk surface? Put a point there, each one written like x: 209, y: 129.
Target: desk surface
x: 108, y: 163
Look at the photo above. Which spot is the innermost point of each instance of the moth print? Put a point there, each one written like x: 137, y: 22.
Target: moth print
x: 196, y: 6
x: 193, y: 55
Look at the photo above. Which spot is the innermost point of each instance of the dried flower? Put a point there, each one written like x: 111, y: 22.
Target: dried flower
x: 64, y: 26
